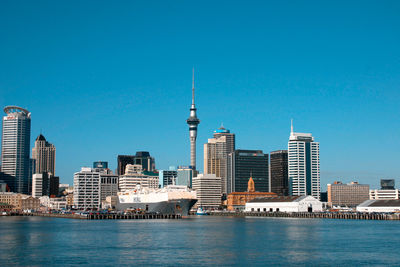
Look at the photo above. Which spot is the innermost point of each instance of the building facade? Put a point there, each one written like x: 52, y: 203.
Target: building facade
x: 243, y: 164
x: 279, y: 172
x: 285, y: 204
x: 349, y: 195
x: 100, y: 165
x: 303, y: 165
x: 216, y: 153
x: 383, y: 194
x: 44, y: 155
x: 15, y: 148
x: 167, y: 177
x: 108, y: 185
x: 208, y: 191
x: 87, y: 189
x: 134, y: 175
x: 142, y: 158
x: 184, y: 176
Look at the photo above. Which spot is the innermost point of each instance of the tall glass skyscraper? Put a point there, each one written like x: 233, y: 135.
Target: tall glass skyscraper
x: 303, y: 158
x: 15, y: 148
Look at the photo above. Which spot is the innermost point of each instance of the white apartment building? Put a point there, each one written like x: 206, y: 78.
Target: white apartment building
x: 135, y: 176
x: 304, y: 165
x: 208, y: 190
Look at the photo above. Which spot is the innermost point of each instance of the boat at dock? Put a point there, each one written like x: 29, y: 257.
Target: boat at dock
x: 172, y: 199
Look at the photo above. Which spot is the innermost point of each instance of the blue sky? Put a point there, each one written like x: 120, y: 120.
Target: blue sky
x: 105, y: 78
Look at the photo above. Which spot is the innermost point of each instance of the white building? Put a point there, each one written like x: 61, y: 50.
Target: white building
x: 53, y: 203
x: 208, y: 190
x: 382, y: 194
x: 392, y: 205
x: 37, y: 185
x: 135, y: 176
x: 284, y: 204
x: 87, y: 189
x: 304, y: 167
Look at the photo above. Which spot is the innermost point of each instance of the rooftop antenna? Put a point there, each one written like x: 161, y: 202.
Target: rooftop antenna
x: 193, y: 88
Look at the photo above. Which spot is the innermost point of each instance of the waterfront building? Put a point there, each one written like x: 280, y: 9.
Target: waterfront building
x: 100, y: 165
x: 392, y: 205
x: 87, y: 189
x: 108, y: 185
x: 208, y: 191
x: 285, y: 204
x: 19, y: 201
x: 387, y: 184
x: 193, y: 122
x: 383, y: 194
x: 279, y: 172
x: 15, y: 148
x: 349, y: 195
x: 167, y: 177
x: 216, y: 155
x: 245, y: 163
x: 44, y: 156
x: 304, y: 167
x: 58, y: 203
x: 184, y: 176
x: 237, y: 200
x: 134, y: 175
x: 45, y: 184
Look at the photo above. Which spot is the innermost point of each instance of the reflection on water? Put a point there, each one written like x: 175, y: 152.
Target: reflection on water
x: 202, y: 240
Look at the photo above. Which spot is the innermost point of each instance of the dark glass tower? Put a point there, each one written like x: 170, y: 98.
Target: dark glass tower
x: 279, y: 172
x: 243, y: 164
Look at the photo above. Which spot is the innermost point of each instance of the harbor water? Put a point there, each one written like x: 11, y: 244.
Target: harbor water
x: 198, y: 240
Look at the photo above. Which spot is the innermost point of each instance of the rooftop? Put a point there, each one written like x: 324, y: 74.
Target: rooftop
x: 278, y: 199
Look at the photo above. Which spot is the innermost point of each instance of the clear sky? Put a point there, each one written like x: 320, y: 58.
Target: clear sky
x: 103, y: 78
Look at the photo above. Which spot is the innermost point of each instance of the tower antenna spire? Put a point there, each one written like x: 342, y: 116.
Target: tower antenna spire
x: 193, y: 88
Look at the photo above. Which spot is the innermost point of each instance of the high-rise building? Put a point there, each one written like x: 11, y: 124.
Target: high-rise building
x: 108, y: 185
x: 44, y: 155
x: 193, y: 121
x: 167, y: 177
x: 216, y: 155
x: 87, y: 189
x: 279, y: 172
x: 142, y: 158
x: 243, y: 164
x: 349, y: 195
x: 303, y: 170
x: 184, y: 176
x: 45, y: 184
x: 15, y: 148
x: 387, y: 184
x: 208, y: 191
x: 100, y: 165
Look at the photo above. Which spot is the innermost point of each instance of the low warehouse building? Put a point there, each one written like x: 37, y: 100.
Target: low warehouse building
x: 392, y: 205
x: 285, y: 204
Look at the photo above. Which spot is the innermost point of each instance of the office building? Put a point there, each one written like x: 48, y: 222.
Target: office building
x: 45, y: 184
x: 243, y: 164
x: 383, y: 194
x: 216, y: 153
x: 303, y: 169
x: 15, y: 148
x: 87, y: 189
x: 134, y: 175
x: 108, y: 185
x: 7, y: 180
x: 167, y: 177
x: 142, y: 158
x: 279, y: 172
x: 347, y: 195
x: 387, y: 184
x: 44, y: 156
x: 184, y: 176
x: 193, y: 122
x: 208, y: 191
x: 100, y: 165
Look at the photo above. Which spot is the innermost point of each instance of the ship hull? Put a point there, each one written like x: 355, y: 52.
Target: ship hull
x: 176, y: 206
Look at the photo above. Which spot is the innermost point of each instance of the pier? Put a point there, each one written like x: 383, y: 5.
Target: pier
x: 103, y: 216
x: 321, y: 215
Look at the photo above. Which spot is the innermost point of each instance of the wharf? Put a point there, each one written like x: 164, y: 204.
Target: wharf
x: 103, y: 216
x: 321, y: 215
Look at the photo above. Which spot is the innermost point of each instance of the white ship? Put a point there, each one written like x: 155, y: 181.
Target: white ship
x: 173, y: 199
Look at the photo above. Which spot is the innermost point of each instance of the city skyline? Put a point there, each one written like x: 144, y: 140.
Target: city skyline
x: 91, y: 95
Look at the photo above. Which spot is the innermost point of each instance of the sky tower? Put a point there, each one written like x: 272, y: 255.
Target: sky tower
x: 193, y: 121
